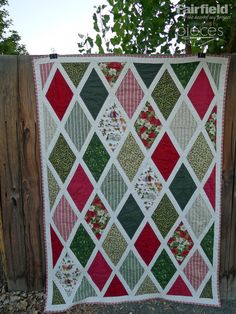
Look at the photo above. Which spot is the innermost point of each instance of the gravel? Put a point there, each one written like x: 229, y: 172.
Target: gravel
x: 33, y: 303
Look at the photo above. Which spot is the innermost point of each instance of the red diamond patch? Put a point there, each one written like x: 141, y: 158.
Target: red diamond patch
x: 165, y: 156
x: 99, y: 271
x: 80, y: 188
x: 201, y: 94
x: 147, y: 244
x: 180, y: 288
x: 115, y: 289
x: 59, y: 94
x: 210, y: 188
x: 56, y: 246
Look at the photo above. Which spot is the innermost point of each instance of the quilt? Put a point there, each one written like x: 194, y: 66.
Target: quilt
x: 131, y: 156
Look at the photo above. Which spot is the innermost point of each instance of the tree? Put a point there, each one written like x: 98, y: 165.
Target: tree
x: 151, y: 26
x: 9, y: 39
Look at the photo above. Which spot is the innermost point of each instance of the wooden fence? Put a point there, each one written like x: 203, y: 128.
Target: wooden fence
x: 21, y: 223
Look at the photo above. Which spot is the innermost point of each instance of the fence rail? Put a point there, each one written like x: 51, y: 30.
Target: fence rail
x: 21, y: 214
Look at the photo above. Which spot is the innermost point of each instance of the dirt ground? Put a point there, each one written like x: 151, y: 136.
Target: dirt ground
x: 33, y: 303
x: 151, y: 307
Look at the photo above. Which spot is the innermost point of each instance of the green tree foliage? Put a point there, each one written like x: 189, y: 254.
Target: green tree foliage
x: 150, y: 26
x: 9, y: 39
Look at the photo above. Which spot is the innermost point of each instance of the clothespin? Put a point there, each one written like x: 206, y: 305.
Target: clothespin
x: 53, y: 54
x: 201, y: 55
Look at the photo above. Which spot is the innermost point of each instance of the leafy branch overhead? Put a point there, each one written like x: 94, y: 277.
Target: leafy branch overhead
x: 139, y: 26
x: 9, y: 39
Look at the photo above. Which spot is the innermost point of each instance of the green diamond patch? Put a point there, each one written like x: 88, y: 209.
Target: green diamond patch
x: 84, y: 291
x: 114, y: 244
x: 131, y: 270
x: 130, y: 216
x: 200, y: 157
x: 75, y: 71
x: 96, y: 157
x: 208, y: 243
x: 130, y: 157
x: 147, y: 72
x: 147, y: 287
x: 94, y: 94
x: 78, y: 131
x: 165, y: 215
x: 56, y: 295
x: 82, y: 245
x: 53, y: 188
x: 182, y: 187
x: 207, y: 291
x: 163, y: 269
x: 113, y: 187
x: 184, y: 71
x: 62, y: 158
x: 166, y: 94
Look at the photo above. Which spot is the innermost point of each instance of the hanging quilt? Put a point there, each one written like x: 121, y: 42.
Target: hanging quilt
x: 131, y: 155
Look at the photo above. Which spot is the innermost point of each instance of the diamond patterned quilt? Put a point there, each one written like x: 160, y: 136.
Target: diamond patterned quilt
x: 131, y: 154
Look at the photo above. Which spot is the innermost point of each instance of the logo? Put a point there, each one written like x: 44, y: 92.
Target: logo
x: 203, y: 9
x: 207, y: 31
x: 203, y: 34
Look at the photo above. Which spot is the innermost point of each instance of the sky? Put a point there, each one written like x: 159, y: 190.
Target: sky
x: 52, y: 24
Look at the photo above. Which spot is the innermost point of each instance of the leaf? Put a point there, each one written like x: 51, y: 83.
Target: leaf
x: 118, y: 51
x: 95, y: 23
x: 98, y: 40
x: 106, y: 18
x: 81, y: 50
x: 81, y: 36
x: 99, y: 43
x: 90, y: 41
x: 115, y: 41
x: 98, y: 9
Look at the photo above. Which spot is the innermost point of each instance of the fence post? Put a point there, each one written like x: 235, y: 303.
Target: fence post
x: 20, y: 197
x: 2, y: 250
x: 228, y: 212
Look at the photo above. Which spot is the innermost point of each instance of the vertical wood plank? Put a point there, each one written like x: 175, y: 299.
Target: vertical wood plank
x: 228, y: 220
x: 30, y: 170
x: 20, y: 201
x: 3, y: 261
x: 10, y: 175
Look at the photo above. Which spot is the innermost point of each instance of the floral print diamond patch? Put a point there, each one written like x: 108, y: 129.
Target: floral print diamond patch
x: 148, y: 126
x: 97, y: 217
x: 112, y: 125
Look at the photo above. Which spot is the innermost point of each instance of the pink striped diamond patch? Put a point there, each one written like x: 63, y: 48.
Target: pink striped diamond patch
x: 44, y: 72
x: 64, y: 218
x: 196, y: 270
x: 129, y: 93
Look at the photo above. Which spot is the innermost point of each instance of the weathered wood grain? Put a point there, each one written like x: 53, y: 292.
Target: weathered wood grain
x: 228, y: 219
x: 11, y: 188
x: 3, y: 262
x: 30, y: 172
x: 21, y: 208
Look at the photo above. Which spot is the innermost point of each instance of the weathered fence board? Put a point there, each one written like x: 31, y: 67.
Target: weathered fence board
x: 20, y: 193
x: 228, y: 217
x: 21, y: 208
x: 31, y: 184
